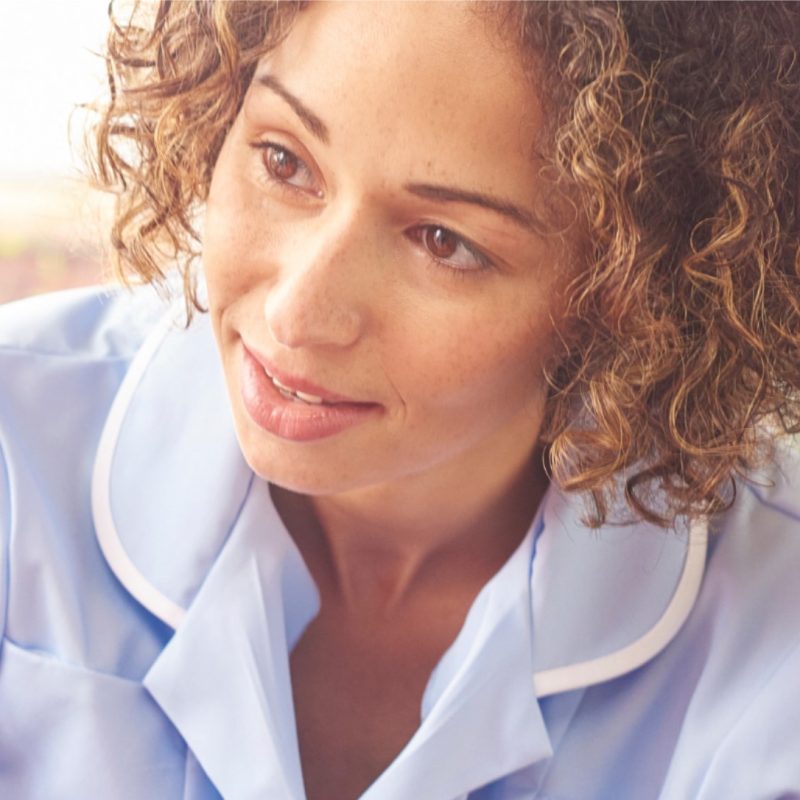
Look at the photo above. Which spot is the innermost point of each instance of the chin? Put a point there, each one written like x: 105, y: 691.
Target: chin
x: 308, y: 476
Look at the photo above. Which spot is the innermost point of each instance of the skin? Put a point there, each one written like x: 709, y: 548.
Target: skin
x: 324, y: 265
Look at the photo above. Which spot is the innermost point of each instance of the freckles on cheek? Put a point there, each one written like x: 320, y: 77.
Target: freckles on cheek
x: 234, y: 204
x: 231, y: 250
x: 489, y: 368
x: 232, y: 228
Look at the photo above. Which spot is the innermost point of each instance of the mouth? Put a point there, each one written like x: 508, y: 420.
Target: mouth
x: 295, y: 394
x: 299, y: 389
x: 294, y: 408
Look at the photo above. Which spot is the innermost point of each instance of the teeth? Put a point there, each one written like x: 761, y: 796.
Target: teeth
x: 309, y: 398
x: 290, y: 394
x: 279, y: 384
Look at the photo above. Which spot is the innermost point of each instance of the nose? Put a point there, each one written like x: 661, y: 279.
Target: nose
x: 320, y: 296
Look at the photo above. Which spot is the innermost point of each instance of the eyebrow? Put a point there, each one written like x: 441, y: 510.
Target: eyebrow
x: 448, y: 194
x: 310, y: 120
x: 442, y: 194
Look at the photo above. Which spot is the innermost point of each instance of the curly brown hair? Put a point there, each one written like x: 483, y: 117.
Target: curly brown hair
x: 674, y: 129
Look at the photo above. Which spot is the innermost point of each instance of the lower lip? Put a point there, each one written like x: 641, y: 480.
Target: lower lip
x: 295, y: 420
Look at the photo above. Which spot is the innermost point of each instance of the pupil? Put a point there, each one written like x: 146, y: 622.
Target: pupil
x: 282, y: 164
x: 441, y: 242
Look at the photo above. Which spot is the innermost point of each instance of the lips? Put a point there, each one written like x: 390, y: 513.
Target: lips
x: 300, y: 387
x: 293, y: 408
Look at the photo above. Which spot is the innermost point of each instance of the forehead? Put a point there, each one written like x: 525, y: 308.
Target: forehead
x: 431, y: 80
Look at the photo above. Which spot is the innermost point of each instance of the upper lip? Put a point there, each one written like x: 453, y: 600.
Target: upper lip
x: 298, y: 384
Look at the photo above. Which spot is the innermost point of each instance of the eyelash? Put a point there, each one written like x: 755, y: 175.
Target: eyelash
x: 416, y: 234
x: 483, y: 263
x: 263, y: 147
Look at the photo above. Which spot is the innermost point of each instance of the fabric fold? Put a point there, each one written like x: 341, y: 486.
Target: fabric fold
x: 223, y: 680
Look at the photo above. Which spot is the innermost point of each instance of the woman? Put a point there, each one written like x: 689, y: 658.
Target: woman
x: 474, y: 481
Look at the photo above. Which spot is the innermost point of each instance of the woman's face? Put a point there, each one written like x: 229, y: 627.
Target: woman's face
x: 371, y: 238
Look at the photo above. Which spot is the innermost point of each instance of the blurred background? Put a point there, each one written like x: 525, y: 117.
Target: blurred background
x: 53, y: 227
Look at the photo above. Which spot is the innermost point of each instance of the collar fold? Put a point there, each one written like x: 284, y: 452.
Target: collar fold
x: 223, y: 679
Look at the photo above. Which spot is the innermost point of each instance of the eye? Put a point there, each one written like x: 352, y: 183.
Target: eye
x: 281, y: 163
x: 448, y: 248
x: 287, y: 169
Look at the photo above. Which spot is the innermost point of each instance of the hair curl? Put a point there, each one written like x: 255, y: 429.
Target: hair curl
x: 674, y: 127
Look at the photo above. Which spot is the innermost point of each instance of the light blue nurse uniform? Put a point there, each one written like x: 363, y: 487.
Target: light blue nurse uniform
x: 150, y: 595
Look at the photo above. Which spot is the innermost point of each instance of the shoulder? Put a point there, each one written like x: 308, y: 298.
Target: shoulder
x: 748, y: 626
x: 96, y: 322
x: 776, y: 490
x: 746, y: 708
x: 62, y: 359
x: 758, y: 539
x: 755, y: 545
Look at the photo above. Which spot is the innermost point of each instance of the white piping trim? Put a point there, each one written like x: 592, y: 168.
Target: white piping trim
x: 628, y: 658
x: 107, y: 536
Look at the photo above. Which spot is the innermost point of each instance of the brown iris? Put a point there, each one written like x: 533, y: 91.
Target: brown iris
x: 440, y: 242
x: 281, y: 163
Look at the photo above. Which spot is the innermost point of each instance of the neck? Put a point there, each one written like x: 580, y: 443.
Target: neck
x: 372, y: 548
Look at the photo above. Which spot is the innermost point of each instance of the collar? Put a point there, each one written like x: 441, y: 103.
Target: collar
x: 209, y: 556
x: 607, y: 601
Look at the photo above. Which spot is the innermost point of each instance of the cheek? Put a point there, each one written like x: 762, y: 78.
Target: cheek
x: 483, y: 363
x: 245, y: 239
x: 232, y: 234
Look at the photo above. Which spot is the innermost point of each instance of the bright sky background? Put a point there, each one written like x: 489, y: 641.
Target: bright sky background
x: 46, y: 68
